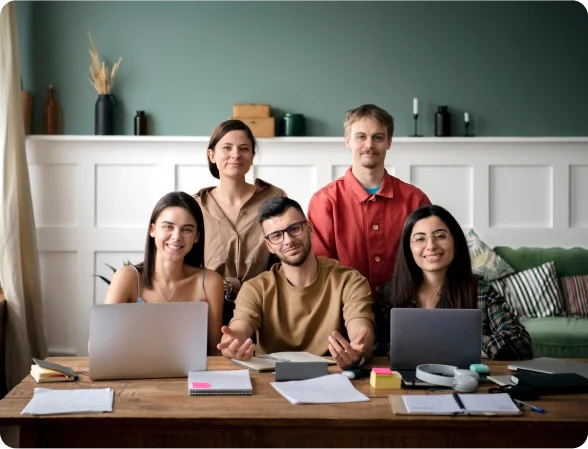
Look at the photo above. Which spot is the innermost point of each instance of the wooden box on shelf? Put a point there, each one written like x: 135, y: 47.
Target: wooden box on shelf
x: 250, y: 110
x: 260, y: 126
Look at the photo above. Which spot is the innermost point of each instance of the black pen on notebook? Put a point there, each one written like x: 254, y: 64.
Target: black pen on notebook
x: 459, y: 403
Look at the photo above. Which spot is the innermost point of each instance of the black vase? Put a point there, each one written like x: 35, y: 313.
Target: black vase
x: 442, y: 122
x: 104, y: 120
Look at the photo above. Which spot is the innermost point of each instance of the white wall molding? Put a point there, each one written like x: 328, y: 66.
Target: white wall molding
x: 93, y: 195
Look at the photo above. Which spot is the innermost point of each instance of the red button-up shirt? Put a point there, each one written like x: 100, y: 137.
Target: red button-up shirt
x: 361, y: 230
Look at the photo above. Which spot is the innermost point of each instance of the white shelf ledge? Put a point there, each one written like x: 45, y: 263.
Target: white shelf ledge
x: 309, y: 139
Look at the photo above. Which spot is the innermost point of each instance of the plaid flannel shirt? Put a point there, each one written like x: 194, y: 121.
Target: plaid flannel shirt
x: 503, y: 336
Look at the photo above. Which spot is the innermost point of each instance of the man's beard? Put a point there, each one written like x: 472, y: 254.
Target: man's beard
x: 372, y: 163
x: 369, y: 164
x: 299, y: 259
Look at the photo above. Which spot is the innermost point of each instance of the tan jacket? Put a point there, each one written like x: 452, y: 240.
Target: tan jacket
x: 236, y: 253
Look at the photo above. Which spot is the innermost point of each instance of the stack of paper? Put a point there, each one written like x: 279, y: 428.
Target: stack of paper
x: 48, y: 402
x: 320, y: 390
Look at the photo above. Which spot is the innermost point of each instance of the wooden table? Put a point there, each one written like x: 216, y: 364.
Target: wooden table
x: 160, y: 413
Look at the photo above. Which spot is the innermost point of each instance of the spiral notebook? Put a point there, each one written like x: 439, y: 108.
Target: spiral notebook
x: 206, y: 383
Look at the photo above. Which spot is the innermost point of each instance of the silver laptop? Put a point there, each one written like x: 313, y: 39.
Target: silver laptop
x: 138, y: 341
x: 550, y: 366
x: 439, y: 336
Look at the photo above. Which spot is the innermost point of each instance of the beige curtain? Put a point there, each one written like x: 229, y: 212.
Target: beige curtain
x: 19, y: 258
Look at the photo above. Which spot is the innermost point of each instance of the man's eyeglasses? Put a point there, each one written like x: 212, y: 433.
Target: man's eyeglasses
x: 294, y: 230
x: 439, y: 237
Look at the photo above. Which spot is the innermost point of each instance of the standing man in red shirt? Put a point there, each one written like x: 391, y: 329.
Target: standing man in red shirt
x: 358, y: 218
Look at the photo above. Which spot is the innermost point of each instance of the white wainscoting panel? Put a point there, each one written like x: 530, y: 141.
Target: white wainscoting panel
x: 93, y: 195
x: 521, y: 197
x: 297, y: 178
x: 192, y: 178
x: 54, y: 181
x: 448, y: 186
x: 125, y: 194
x: 64, y: 311
x: 579, y: 196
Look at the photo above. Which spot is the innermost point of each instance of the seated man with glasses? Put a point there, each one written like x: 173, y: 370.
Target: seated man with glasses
x: 305, y: 303
x: 433, y: 270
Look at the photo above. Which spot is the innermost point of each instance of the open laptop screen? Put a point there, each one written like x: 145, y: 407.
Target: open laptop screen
x: 440, y: 336
x: 133, y: 341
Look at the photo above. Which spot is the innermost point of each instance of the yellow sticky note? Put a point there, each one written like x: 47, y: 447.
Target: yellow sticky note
x: 393, y: 382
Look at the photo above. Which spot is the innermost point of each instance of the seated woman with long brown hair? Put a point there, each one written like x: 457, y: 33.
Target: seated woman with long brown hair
x: 433, y: 270
x: 172, y: 268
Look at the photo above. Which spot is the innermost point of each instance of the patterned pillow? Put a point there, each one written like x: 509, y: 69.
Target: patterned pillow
x: 574, y: 290
x: 532, y: 293
x: 485, y: 262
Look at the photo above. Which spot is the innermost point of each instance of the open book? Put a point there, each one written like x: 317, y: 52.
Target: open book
x: 267, y: 362
x: 454, y: 404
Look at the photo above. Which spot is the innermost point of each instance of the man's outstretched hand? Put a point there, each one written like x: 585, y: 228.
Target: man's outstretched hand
x: 345, y: 353
x: 233, y: 347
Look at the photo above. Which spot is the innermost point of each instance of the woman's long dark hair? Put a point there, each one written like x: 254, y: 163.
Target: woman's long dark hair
x: 459, y: 289
x: 195, y: 258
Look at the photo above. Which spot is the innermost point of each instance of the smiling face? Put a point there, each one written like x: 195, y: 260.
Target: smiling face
x: 438, y: 251
x: 291, y: 250
x: 174, y: 232
x: 233, y: 154
x: 368, y: 142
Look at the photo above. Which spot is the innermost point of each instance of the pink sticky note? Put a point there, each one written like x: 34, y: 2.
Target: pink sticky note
x: 382, y: 371
x: 200, y: 385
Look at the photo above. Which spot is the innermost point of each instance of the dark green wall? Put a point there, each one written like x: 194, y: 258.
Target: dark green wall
x: 519, y: 68
x: 24, y: 13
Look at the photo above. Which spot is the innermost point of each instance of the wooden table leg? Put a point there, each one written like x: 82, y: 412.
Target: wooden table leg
x: 28, y: 437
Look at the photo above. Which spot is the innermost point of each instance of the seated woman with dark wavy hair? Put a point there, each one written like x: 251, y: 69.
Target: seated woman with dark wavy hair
x: 433, y: 270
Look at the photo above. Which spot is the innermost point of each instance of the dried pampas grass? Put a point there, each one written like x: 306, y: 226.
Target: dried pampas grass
x: 99, y: 76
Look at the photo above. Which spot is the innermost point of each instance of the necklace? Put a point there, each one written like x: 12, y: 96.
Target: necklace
x: 162, y: 292
x: 434, y: 301
x: 437, y: 296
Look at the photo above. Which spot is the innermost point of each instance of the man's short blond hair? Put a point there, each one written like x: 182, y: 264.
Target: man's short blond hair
x: 372, y: 111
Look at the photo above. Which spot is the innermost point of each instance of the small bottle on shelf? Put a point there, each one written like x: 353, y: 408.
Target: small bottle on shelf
x: 140, y: 124
x: 50, y: 113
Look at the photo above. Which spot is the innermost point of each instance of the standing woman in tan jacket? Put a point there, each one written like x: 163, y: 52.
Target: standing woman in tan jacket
x: 234, y: 245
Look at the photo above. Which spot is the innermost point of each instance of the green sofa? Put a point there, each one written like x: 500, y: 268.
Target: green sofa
x: 557, y: 336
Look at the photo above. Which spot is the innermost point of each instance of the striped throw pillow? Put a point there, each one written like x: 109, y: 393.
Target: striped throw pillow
x: 532, y: 293
x: 574, y: 290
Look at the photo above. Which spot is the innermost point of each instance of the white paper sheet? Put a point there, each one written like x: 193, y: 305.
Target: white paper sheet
x: 47, y: 401
x: 428, y: 403
x: 490, y: 403
x: 329, y: 389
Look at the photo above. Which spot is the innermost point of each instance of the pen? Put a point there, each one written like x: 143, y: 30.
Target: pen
x: 532, y: 407
x: 459, y: 403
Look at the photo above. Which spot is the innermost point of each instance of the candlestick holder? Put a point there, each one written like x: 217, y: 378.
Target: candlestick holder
x: 416, y: 119
x: 467, y: 130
